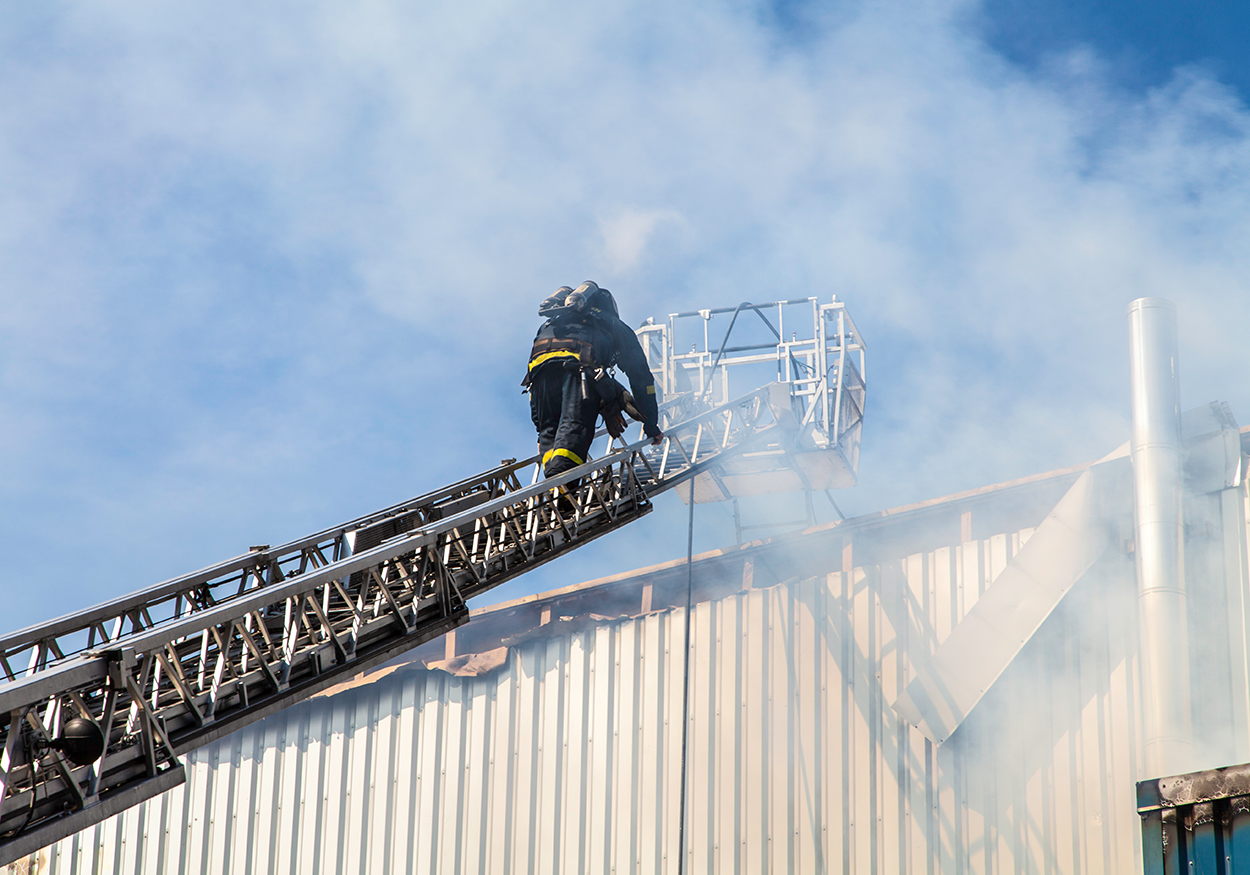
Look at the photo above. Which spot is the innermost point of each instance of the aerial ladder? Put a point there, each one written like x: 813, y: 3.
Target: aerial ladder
x: 98, y: 707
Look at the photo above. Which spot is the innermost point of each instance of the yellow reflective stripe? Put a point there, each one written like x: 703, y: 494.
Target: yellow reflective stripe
x: 651, y: 389
x: 561, y: 451
x: 562, y: 353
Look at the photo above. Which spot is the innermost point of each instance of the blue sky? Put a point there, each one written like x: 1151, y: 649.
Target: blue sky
x: 1142, y: 43
x: 266, y: 269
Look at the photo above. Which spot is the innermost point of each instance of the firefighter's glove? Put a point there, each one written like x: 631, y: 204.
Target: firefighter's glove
x: 614, y: 422
x: 613, y: 418
x: 627, y: 401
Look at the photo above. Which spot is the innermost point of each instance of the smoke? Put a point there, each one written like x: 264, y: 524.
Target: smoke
x: 627, y: 234
x: 269, y: 268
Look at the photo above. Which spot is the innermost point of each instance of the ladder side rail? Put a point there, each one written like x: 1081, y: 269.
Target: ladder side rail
x: 50, y: 642
x: 161, y: 691
x: 221, y: 575
x: 144, y: 759
x: 86, y: 668
x: 255, y: 601
x: 425, y: 537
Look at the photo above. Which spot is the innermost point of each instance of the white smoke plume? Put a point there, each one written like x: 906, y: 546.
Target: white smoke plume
x: 269, y: 267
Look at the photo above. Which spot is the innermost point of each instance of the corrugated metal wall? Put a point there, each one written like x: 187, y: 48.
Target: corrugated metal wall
x: 567, y: 758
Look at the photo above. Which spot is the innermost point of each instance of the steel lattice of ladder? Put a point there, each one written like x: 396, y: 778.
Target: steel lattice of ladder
x: 170, y: 668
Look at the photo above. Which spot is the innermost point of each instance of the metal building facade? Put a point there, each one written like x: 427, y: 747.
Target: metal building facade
x: 565, y: 757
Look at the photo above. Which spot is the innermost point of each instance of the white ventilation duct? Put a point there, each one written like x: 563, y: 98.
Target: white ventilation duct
x: 1073, y: 536
x: 1157, y: 485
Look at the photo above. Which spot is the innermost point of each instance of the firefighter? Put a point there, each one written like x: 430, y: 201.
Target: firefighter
x: 569, y: 378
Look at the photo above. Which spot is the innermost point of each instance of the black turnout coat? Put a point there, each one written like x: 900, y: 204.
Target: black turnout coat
x: 563, y: 404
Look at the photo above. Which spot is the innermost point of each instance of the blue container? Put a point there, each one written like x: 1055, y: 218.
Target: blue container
x: 1196, y: 824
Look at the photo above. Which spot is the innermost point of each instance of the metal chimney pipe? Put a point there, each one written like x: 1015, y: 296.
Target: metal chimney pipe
x: 1157, y: 485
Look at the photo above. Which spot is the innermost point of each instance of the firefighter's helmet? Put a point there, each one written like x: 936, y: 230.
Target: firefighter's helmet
x: 590, y: 298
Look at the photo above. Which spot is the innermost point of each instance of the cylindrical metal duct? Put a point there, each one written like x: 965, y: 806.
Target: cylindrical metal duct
x: 1157, y: 485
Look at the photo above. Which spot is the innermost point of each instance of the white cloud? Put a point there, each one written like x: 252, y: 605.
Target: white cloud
x: 627, y: 232
x: 335, y: 224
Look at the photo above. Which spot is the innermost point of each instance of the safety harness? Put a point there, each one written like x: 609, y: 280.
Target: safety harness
x: 614, y: 400
x: 547, y: 348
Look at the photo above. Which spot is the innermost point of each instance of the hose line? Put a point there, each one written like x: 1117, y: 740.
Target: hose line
x: 685, y: 690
